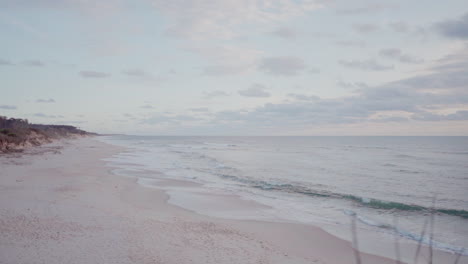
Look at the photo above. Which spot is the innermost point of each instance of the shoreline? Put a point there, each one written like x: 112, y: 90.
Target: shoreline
x: 197, y: 200
x: 54, y: 207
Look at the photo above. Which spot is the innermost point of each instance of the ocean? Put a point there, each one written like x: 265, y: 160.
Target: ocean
x: 391, y: 184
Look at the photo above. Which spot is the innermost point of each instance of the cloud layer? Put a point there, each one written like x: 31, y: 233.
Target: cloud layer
x: 419, y: 98
x: 195, y: 64
x: 256, y: 90
x: 223, y: 19
x: 8, y: 107
x: 282, y: 66
x: 397, y: 54
x: 94, y: 74
x: 50, y: 100
x: 454, y: 28
x: 367, y: 65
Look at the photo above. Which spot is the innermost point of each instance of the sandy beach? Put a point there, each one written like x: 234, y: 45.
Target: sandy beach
x: 60, y: 203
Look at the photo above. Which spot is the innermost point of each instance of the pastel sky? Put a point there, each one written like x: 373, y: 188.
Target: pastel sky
x: 237, y: 67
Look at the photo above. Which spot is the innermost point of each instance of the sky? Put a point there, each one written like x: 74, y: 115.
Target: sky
x: 237, y: 67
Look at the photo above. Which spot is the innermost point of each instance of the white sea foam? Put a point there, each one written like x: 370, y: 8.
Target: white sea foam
x: 316, y: 179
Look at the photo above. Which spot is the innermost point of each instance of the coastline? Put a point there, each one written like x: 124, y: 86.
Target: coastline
x: 55, y: 207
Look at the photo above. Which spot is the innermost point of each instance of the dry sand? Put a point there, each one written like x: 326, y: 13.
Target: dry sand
x: 60, y: 204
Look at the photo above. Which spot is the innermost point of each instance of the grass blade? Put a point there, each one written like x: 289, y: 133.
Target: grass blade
x: 397, y: 242
x: 459, y: 254
x: 355, y: 245
x: 421, y: 237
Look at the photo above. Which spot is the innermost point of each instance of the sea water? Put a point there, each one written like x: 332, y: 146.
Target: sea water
x: 318, y: 180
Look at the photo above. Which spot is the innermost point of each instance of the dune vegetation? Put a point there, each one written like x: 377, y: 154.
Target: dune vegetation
x: 17, y: 134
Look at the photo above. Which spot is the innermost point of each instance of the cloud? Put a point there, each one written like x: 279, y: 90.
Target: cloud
x: 400, y: 26
x: 214, y: 94
x: 256, y: 90
x: 367, y: 65
x: 42, y: 115
x: 101, y: 18
x: 370, y: 8
x: 147, y: 106
x: 218, y: 70
x: 200, y: 109
x: 121, y: 120
x: 361, y: 107
x: 456, y: 62
x: 397, y: 54
x: 282, y: 66
x: 205, y: 22
x: 50, y: 100
x: 427, y: 116
x: 391, y: 53
x: 8, y: 107
x: 313, y: 70
x: 226, y: 59
x: 33, y: 63
x: 199, y: 22
x: 94, y: 74
x: 454, y: 28
x: 129, y: 115
x: 352, y: 85
x: 5, y: 63
x: 21, y: 25
x: 135, y: 73
x: 202, y: 22
x: 225, y: 19
x: 351, y: 43
x: 303, y: 97
x: 387, y: 119
x: 56, y: 4
x: 168, y: 119
x: 284, y: 32
x: 428, y: 97
x: 409, y: 59
x: 365, y: 28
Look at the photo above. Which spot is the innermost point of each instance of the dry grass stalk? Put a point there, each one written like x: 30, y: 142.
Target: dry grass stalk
x: 397, y: 242
x: 355, y: 245
x: 423, y: 233
x: 459, y: 254
x: 431, y: 230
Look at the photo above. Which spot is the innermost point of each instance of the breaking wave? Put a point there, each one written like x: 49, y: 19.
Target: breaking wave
x: 368, y: 202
